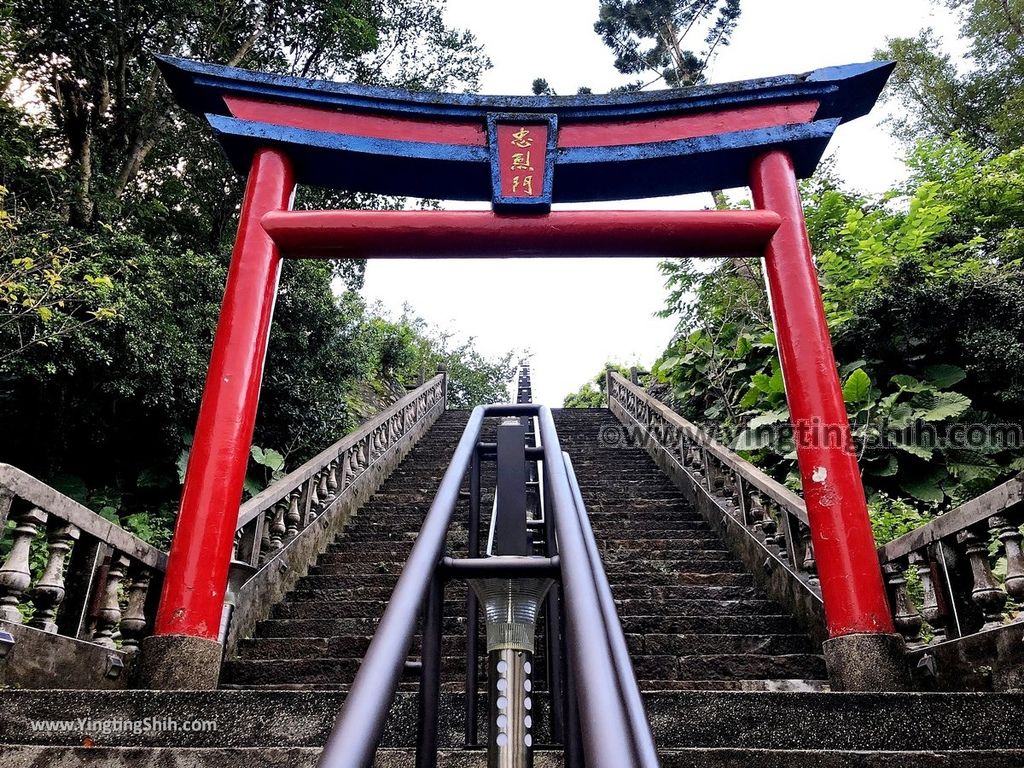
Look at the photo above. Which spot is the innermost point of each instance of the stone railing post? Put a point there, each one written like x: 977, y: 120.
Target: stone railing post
x: 15, y: 576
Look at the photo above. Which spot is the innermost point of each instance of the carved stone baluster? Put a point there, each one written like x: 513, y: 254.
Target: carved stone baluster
x: 716, y: 477
x: 108, y: 618
x: 757, y: 512
x: 134, y: 623
x: 930, y: 610
x: 292, y: 518
x: 332, y: 479
x: 1010, y: 535
x: 323, y: 493
x: 694, y: 458
x: 769, y: 525
x: 315, y: 497
x: 808, y: 564
x: 781, y: 530
x: 736, y: 491
x: 278, y: 528
x: 49, y: 590
x: 266, y: 545
x: 985, y: 591
x: 15, y: 576
x: 344, y: 470
x: 907, y: 619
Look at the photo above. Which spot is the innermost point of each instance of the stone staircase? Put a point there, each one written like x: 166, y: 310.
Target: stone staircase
x: 729, y: 679
x: 692, y: 617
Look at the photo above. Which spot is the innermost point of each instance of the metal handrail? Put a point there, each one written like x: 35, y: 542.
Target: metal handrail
x: 614, y: 727
x: 640, y: 727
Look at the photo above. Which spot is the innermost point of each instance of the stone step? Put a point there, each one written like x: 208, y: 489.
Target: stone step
x: 658, y: 624
x: 331, y: 589
x: 340, y: 671
x: 355, y: 645
x: 662, y: 624
x: 681, y: 720
x: 306, y: 757
x: 701, y: 644
x: 749, y: 666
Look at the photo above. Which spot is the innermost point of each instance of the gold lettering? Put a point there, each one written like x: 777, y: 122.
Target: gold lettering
x: 521, y: 161
x: 522, y: 138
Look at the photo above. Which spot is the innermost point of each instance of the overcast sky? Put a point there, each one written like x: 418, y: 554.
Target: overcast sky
x: 572, y: 315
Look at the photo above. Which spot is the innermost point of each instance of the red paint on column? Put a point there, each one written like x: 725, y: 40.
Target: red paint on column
x: 851, y: 579
x: 197, y: 568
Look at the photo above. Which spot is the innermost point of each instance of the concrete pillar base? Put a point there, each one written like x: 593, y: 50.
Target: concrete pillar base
x: 179, y: 662
x: 867, y: 663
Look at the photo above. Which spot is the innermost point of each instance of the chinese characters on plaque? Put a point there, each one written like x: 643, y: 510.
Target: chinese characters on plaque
x: 522, y: 151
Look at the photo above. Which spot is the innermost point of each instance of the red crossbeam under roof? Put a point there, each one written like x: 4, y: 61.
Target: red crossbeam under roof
x: 471, y: 133
x: 468, y: 234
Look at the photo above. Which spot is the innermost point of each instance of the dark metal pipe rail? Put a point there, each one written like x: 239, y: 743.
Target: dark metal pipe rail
x: 359, y: 727
x: 600, y: 713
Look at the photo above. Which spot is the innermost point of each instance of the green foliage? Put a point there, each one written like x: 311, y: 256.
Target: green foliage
x: 587, y: 396
x: 116, y: 220
x: 594, y: 393
x: 649, y: 35
x: 982, y: 102
x: 893, y: 517
x: 923, y: 290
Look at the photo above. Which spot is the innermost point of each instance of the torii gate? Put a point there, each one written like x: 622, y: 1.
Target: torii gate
x: 523, y: 154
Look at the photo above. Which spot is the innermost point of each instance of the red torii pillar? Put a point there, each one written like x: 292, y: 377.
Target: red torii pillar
x: 184, y: 644
x: 864, y: 652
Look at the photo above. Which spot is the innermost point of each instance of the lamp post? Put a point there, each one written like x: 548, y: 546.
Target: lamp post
x: 511, y: 607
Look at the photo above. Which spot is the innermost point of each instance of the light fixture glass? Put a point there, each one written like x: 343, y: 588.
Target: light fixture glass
x: 511, y: 607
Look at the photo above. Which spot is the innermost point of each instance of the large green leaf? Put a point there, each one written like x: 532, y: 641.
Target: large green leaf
x: 752, y: 440
x: 944, y: 376
x: 857, y: 387
x: 768, y: 418
x: 967, y: 466
x: 943, y: 405
x: 182, y: 464
x: 909, y: 384
x: 267, y: 458
x: 668, y: 364
x: 920, y: 451
x: 885, y: 468
x: 923, y: 488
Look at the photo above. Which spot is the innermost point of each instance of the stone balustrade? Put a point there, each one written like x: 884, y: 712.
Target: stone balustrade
x: 282, y: 529
x: 272, y: 519
x: 942, y: 577
x: 771, y: 513
x: 98, y: 586
x: 956, y: 584
x: 98, y: 583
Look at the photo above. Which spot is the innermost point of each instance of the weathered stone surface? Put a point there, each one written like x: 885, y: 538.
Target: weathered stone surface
x: 867, y: 663
x: 38, y: 658
x: 298, y: 757
x: 179, y: 662
x: 991, y: 660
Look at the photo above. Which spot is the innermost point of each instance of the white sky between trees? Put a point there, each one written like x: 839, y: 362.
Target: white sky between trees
x: 574, y: 314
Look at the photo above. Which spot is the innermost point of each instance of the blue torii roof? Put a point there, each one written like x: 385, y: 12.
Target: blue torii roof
x: 462, y: 171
